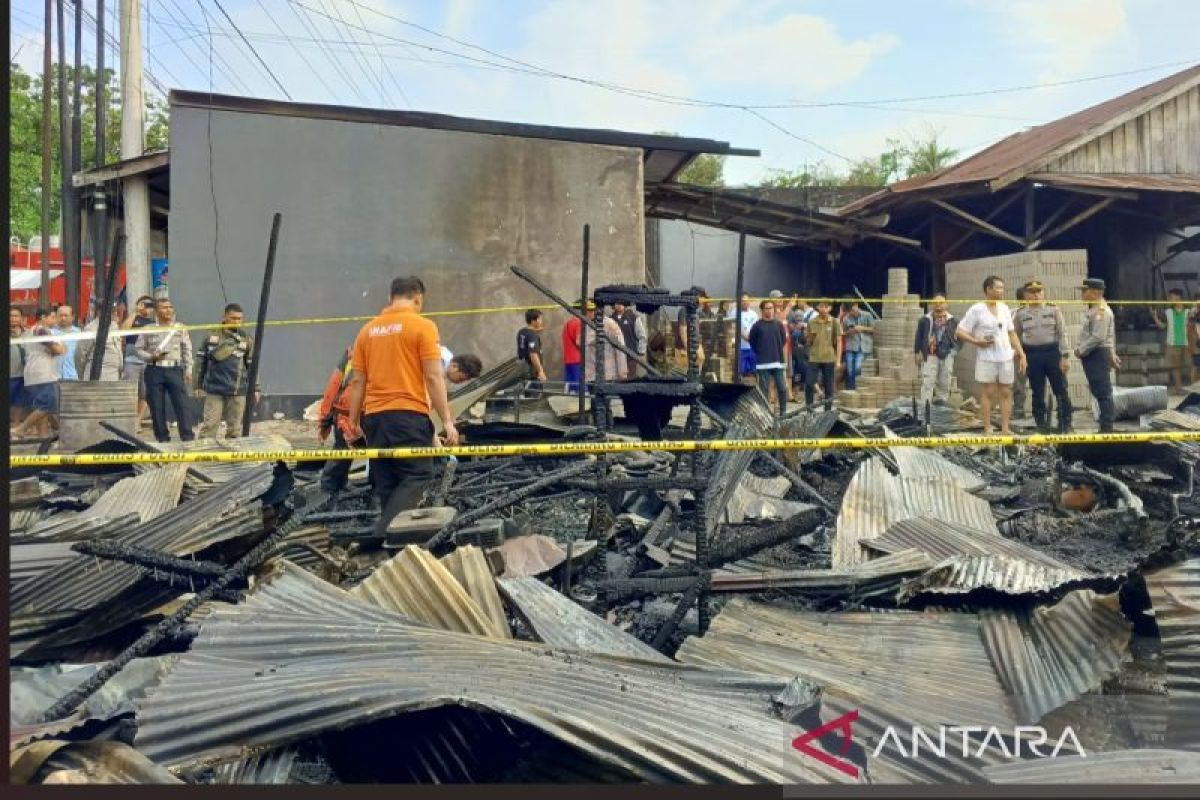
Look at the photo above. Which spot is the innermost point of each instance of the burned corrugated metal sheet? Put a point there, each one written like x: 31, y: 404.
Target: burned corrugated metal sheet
x: 1050, y: 655
x: 560, y: 622
x: 1177, y: 419
x: 934, y: 665
x: 750, y: 419
x: 879, y: 576
x: 871, y: 504
x: 301, y: 657
x: 414, y: 584
x: 271, y: 768
x: 755, y: 495
x: 470, y: 568
x: 1175, y: 594
x: 1000, y: 573
x: 83, y: 583
x: 69, y: 527
x: 26, y: 561
x: 915, y: 462
x: 1116, y: 767
x: 875, y: 500
x: 33, y: 690
x: 58, y: 762
x: 941, y: 539
x: 150, y: 494
x: 223, y: 473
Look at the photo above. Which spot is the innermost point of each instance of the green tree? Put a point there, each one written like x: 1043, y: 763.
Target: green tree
x: 820, y: 174
x: 927, y: 155
x: 25, y: 146
x: 706, y: 169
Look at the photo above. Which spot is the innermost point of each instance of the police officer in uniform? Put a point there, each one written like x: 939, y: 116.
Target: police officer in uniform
x: 1020, y: 377
x: 1097, y: 350
x: 1043, y: 334
x: 222, y: 372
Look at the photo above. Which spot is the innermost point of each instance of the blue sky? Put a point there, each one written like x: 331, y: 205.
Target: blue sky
x: 734, y: 52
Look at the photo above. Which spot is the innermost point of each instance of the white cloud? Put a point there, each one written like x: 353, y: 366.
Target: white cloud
x: 1066, y: 38
x: 798, y: 53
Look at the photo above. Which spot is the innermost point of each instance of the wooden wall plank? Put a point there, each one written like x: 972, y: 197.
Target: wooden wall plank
x: 1156, y: 139
x: 1170, y: 136
x: 1105, y: 146
x: 1132, y: 161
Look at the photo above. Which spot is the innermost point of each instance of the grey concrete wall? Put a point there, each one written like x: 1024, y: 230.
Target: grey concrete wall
x: 363, y: 203
x: 691, y: 254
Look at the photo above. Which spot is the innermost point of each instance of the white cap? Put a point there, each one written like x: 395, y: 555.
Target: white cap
x: 775, y: 293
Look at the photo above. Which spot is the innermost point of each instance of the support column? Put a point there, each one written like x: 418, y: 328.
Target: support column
x: 135, y: 189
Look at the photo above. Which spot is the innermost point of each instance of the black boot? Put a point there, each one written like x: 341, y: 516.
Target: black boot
x: 1041, y: 422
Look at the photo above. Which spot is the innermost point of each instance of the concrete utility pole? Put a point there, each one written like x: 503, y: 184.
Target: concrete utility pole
x: 44, y: 293
x: 99, y: 201
x: 70, y: 230
x: 133, y: 143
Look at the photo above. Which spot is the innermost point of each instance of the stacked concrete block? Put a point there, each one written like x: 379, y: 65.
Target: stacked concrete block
x: 1143, y: 361
x: 1061, y: 271
x: 892, y: 371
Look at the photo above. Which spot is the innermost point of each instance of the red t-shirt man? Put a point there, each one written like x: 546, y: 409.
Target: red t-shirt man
x: 572, y: 355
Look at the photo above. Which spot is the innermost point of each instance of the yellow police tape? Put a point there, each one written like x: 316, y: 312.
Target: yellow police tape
x: 210, y: 326
x: 595, y: 448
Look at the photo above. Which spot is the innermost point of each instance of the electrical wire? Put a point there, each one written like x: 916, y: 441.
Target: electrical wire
x: 225, y: 69
x: 233, y: 24
x: 357, y: 57
x: 305, y: 22
x: 300, y: 53
x: 382, y: 67
x: 212, y: 180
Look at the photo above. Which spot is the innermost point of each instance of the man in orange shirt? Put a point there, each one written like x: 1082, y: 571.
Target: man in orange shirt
x: 397, y: 376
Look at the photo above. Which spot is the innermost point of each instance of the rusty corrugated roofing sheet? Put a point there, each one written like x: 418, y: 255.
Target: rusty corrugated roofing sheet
x: 560, y: 622
x: 1114, y: 767
x: 470, y: 568
x: 416, y: 585
x: 91, y: 762
x: 1175, y: 594
x: 150, y: 494
x: 1029, y: 149
x: 1050, y: 655
x: 301, y: 657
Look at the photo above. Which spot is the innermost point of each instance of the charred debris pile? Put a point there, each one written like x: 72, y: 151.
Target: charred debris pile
x: 633, y: 617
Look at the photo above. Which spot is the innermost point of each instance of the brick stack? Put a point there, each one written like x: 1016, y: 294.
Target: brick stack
x: 892, y: 373
x: 1061, y: 271
x: 1143, y: 362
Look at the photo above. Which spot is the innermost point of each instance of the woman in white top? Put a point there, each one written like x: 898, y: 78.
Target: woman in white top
x: 989, y: 326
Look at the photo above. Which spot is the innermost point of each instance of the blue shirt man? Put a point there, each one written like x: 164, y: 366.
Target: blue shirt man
x: 66, y: 324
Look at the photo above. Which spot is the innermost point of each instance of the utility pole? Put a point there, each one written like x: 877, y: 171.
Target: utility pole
x: 77, y: 155
x: 70, y: 235
x: 133, y: 143
x: 100, y: 202
x: 44, y: 293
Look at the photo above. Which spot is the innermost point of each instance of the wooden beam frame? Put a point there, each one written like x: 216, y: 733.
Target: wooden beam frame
x: 1086, y: 214
x: 990, y: 216
x: 981, y: 224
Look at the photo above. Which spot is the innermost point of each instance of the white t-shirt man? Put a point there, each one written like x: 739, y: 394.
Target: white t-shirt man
x: 749, y: 317
x: 992, y: 364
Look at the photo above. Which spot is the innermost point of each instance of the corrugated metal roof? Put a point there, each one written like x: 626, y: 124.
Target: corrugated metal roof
x: 1178, y: 419
x: 150, y: 494
x: 1113, y: 767
x: 932, y: 664
x: 27, y: 561
x: 915, y: 462
x: 1051, y: 655
x: 84, y: 583
x: 68, y: 527
x: 1151, y: 183
x: 1175, y: 594
x: 1029, y: 149
x: 470, y: 568
x: 560, y: 622
x: 301, y: 657
x: 941, y: 539
x: 879, y: 576
x: 416, y: 585
x: 1000, y: 573
x: 875, y: 500
x: 271, y: 768
x: 750, y: 419
x: 762, y: 498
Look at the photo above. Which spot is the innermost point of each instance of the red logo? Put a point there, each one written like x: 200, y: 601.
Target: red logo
x: 843, y: 723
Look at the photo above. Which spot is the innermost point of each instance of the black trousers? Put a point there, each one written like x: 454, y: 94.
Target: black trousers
x: 336, y: 474
x: 799, y: 366
x: 1044, y: 365
x: 163, y: 383
x: 826, y: 373
x: 1096, y: 368
x: 398, y: 482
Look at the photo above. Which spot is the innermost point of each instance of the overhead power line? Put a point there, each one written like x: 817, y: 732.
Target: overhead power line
x: 233, y: 24
x: 303, y: 57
